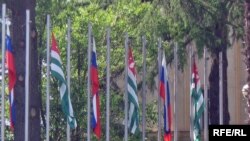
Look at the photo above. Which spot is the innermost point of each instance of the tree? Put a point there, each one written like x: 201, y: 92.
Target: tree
x: 207, y: 23
x: 18, y: 15
x: 121, y: 17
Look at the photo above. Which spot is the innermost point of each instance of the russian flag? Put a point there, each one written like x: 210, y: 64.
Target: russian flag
x: 96, y: 122
x: 165, y: 95
x: 12, y: 79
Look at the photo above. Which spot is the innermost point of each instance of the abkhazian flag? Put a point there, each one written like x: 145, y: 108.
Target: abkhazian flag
x: 57, y: 72
x: 198, y: 103
x: 133, y: 117
x: 165, y: 96
x: 12, y: 78
x: 96, y: 122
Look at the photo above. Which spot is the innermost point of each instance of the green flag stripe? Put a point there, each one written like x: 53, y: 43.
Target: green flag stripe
x: 57, y: 76
x: 56, y: 62
x: 200, y: 110
x: 132, y: 93
x: 132, y: 100
x: 132, y: 84
x: 132, y: 77
x: 58, y: 70
x: 134, y: 118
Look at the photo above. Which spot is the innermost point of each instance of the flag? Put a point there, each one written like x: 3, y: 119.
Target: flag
x: 96, y: 122
x: 12, y: 79
x: 57, y: 72
x: 133, y: 117
x: 198, y: 103
x: 165, y: 95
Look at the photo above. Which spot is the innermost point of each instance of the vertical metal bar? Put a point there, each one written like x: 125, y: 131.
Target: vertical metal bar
x: 205, y: 97
x: 48, y: 80
x: 68, y: 69
x: 144, y: 89
x: 126, y: 88
x: 89, y: 79
x: 190, y: 100
x: 108, y: 85
x: 3, y: 71
x: 159, y: 98
x: 175, y: 93
x: 221, y: 88
x: 27, y: 72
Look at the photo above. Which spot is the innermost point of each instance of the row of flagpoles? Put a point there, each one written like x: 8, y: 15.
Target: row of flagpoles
x: 53, y: 54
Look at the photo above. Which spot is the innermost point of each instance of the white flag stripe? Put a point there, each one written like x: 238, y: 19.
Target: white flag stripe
x: 94, y: 47
x: 57, y: 69
x: 71, y: 112
x: 132, y: 76
x: 55, y: 55
x: 133, y: 128
x: 132, y: 92
x: 62, y: 90
x: 94, y: 108
x: 12, y: 96
x: 200, y: 102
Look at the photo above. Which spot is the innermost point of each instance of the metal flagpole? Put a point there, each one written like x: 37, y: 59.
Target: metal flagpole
x: 190, y: 99
x: 175, y: 94
x: 68, y: 69
x: 27, y: 70
x: 221, y: 88
x: 144, y: 89
x: 3, y: 71
x: 48, y: 79
x: 126, y: 88
x: 89, y: 75
x: 108, y: 85
x: 159, y: 98
x: 205, y: 97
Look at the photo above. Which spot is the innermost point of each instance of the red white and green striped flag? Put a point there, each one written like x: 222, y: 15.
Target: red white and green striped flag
x: 57, y: 72
x: 133, y: 118
x: 198, y: 103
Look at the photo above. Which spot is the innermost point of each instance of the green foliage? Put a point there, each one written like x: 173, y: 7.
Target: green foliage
x: 133, y: 17
x: 180, y: 21
x: 175, y: 21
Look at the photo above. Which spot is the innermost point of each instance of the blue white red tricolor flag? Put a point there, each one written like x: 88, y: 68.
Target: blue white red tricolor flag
x: 165, y: 96
x: 10, y: 61
x: 96, y: 122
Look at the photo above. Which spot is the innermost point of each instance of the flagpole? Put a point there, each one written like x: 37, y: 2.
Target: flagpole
x: 144, y: 89
x: 175, y: 93
x: 126, y: 88
x: 3, y: 71
x: 159, y: 98
x: 221, y: 88
x: 48, y: 79
x: 89, y: 75
x: 108, y: 85
x: 27, y: 72
x: 205, y: 97
x: 190, y: 97
x: 68, y: 69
